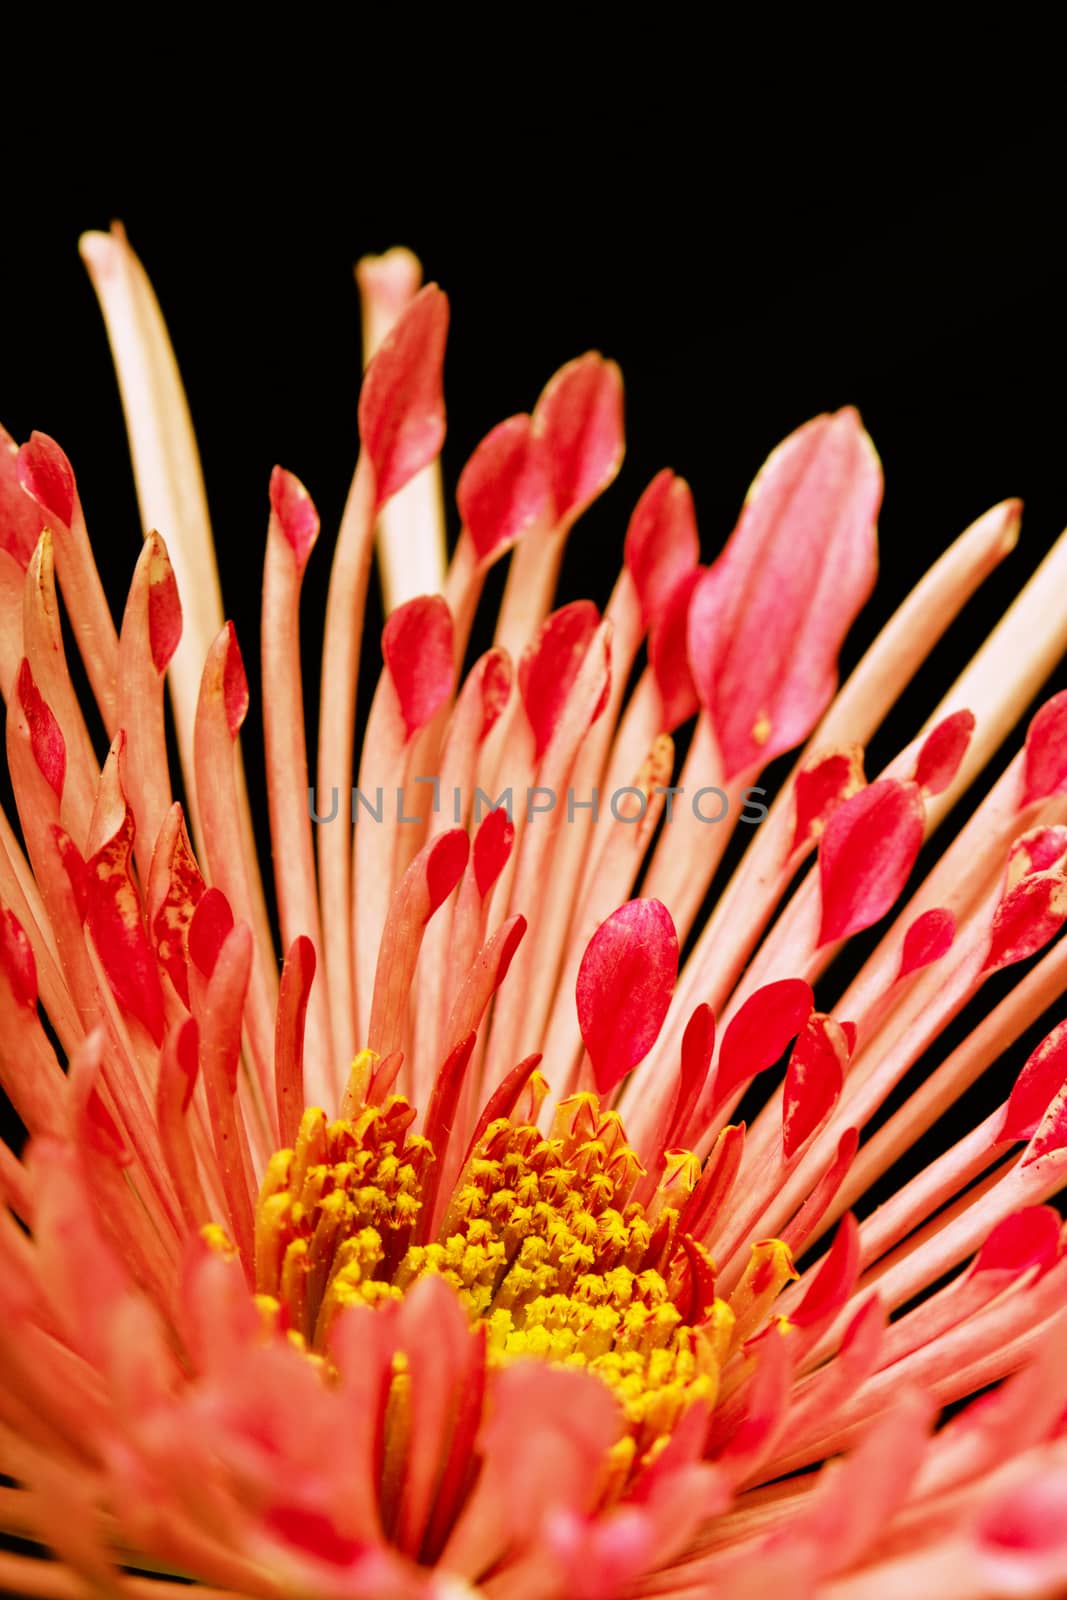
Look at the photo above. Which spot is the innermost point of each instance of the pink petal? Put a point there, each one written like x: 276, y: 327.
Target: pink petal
x: 401, y: 405
x: 929, y: 937
x: 296, y: 514
x: 115, y: 917
x: 625, y: 984
x: 1026, y: 1238
x: 211, y: 924
x: 866, y: 856
x: 164, y: 608
x: 813, y: 1080
x: 942, y: 751
x: 662, y: 545
x: 668, y: 654
x: 1042, y: 1077
x: 298, y: 974
x: 1029, y: 916
x: 46, y: 474
x: 504, y: 490
x: 578, y: 418
x: 46, y: 739
x: 756, y: 1037
x: 550, y: 665
x: 417, y: 649
x: 768, y: 620
x: 492, y: 846
x: 20, y: 518
x: 16, y: 958
x: 1046, y: 750
x: 834, y: 1279
x: 822, y: 786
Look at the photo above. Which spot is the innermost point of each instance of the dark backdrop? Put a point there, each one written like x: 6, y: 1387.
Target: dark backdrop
x: 743, y: 283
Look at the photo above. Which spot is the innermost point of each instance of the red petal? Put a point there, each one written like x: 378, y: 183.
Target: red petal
x: 210, y: 926
x: 760, y: 1032
x: 1046, y: 750
x: 579, y: 419
x: 164, y: 606
x: 1042, y: 1077
x: 417, y: 648
x: 296, y: 514
x: 669, y: 656
x: 662, y: 546
x: 312, y: 1533
x: 401, y: 405
x: 813, y: 1080
x: 551, y: 663
x: 1051, y: 1135
x: 46, y: 474
x: 942, y: 751
x: 928, y: 939
x: 495, y: 687
x: 1036, y: 851
x: 1026, y: 1238
x: 444, y: 866
x: 103, y: 1131
x: 46, y: 739
x: 16, y: 957
x: 20, y: 517
x: 1028, y: 917
x: 698, y: 1047
x: 504, y: 490
x: 171, y: 911
x: 115, y: 919
x: 625, y: 983
x: 835, y: 1279
x: 866, y: 856
x: 823, y: 785
x: 769, y: 618
x: 492, y: 847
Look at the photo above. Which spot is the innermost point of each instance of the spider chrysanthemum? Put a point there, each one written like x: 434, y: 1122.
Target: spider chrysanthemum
x: 410, y: 1243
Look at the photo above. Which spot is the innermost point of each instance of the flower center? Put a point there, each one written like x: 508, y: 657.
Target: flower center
x: 540, y: 1237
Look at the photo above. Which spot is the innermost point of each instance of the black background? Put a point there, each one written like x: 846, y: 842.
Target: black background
x: 745, y: 276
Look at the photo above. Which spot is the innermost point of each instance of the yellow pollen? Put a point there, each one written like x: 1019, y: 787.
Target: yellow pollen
x: 540, y: 1238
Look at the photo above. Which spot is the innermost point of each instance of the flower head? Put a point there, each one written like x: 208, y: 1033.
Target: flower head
x: 412, y: 1243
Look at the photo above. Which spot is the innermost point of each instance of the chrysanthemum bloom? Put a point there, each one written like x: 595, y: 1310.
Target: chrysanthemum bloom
x: 424, y: 1253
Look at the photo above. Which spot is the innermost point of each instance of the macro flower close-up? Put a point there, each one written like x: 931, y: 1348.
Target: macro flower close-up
x: 480, y: 1160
